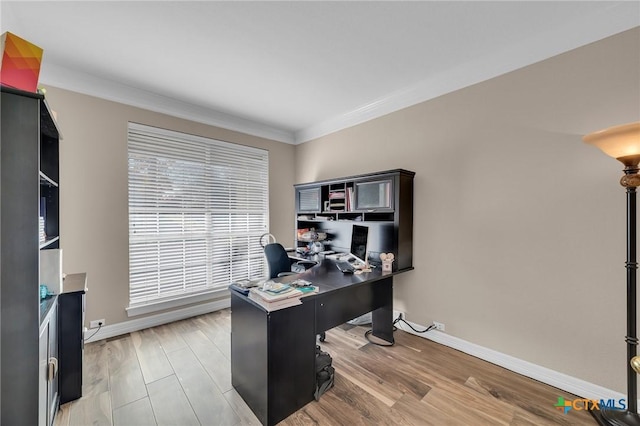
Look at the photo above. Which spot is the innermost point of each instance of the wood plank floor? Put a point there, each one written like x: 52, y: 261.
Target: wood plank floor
x: 180, y: 374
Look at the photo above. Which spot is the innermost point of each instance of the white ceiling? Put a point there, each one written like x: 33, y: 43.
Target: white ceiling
x: 294, y: 71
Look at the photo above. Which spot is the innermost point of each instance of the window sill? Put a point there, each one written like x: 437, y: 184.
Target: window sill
x: 148, y: 308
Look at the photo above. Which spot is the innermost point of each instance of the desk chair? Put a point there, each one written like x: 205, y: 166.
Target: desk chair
x: 280, y: 264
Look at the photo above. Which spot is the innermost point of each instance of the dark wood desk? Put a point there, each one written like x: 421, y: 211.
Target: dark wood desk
x: 273, y: 353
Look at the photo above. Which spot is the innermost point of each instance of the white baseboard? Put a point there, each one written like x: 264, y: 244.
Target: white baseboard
x: 553, y: 378
x: 154, y: 320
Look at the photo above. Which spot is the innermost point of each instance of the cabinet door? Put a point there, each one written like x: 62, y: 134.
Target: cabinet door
x: 308, y: 200
x: 43, y: 360
x: 374, y: 195
x: 48, y: 371
x: 52, y: 389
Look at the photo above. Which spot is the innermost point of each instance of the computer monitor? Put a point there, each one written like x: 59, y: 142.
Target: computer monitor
x: 359, y: 237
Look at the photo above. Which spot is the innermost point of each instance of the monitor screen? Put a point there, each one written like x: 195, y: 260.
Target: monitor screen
x: 359, y: 236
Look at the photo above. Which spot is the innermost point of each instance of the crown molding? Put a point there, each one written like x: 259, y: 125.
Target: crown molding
x: 615, y: 19
x: 75, y: 81
x: 619, y: 17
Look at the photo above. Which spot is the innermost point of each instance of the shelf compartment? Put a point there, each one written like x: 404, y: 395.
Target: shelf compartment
x: 354, y: 216
x: 46, y: 180
x: 325, y: 216
x: 379, y: 216
x: 48, y: 242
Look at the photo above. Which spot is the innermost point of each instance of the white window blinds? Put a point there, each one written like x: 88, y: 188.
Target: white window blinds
x: 197, y: 209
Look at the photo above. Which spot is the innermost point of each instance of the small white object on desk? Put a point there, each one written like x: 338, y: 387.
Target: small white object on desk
x: 387, y: 261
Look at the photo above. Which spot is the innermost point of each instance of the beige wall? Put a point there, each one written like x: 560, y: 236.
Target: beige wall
x: 93, y: 191
x: 519, y: 232
x: 519, y: 227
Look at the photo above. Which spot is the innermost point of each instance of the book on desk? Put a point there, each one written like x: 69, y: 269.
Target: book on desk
x: 283, y: 298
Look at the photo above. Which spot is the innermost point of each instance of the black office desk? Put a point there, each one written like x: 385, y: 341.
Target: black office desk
x: 273, y: 353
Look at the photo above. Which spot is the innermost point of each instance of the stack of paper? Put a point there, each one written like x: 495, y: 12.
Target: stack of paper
x: 282, y: 296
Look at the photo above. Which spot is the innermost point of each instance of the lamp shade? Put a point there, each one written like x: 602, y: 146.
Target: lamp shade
x: 620, y: 142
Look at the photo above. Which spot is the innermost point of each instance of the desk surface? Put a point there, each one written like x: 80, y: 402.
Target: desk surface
x: 328, y: 277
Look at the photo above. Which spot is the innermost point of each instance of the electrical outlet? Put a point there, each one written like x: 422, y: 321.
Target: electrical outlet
x: 397, y: 314
x: 96, y: 323
x: 401, y: 316
x: 439, y: 326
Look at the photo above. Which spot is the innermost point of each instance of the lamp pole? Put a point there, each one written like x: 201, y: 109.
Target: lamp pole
x: 630, y: 181
x: 623, y: 144
x: 607, y: 416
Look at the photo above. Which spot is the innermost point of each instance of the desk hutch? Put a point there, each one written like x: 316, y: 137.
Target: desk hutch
x: 383, y: 201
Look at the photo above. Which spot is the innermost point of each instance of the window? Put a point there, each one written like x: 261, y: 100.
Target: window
x: 197, y: 209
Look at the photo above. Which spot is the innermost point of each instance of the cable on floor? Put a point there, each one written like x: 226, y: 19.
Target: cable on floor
x: 396, y: 321
x: 366, y: 336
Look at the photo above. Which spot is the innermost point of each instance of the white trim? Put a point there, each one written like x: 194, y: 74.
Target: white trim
x: 76, y: 81
x: 151, y: 321
x: 619, y: 17
x: 161, y: 305
x: 545, y: 375
x: 551, y: 377
x: 597, y: 26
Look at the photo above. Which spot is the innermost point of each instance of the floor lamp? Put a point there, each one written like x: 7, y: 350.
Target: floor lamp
x: 623, y: 144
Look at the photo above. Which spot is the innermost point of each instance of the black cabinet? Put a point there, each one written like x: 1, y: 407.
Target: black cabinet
x: 28, y: 141
x: 272, y: 357
x: 382, y: 201
x: 71, y: 342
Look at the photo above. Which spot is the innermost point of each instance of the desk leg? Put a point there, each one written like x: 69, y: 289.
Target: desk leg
x: 382, y: 318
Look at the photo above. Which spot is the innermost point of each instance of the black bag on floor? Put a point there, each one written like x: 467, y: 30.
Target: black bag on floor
x: 324, y: 373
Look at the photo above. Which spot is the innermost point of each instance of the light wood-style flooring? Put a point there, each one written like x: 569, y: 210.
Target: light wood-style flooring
x: 180, y: 374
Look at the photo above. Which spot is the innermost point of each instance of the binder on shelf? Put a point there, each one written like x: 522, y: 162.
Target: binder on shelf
x: 349, y: 199
x: 42, y: 234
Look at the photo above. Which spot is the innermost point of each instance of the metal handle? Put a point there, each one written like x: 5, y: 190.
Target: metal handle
x: 52, y: 368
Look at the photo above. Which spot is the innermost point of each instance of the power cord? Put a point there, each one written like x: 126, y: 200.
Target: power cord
x: 401, y: 318
x: 96, y: 332
x: 368, y: 332
x: 396, y: 321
